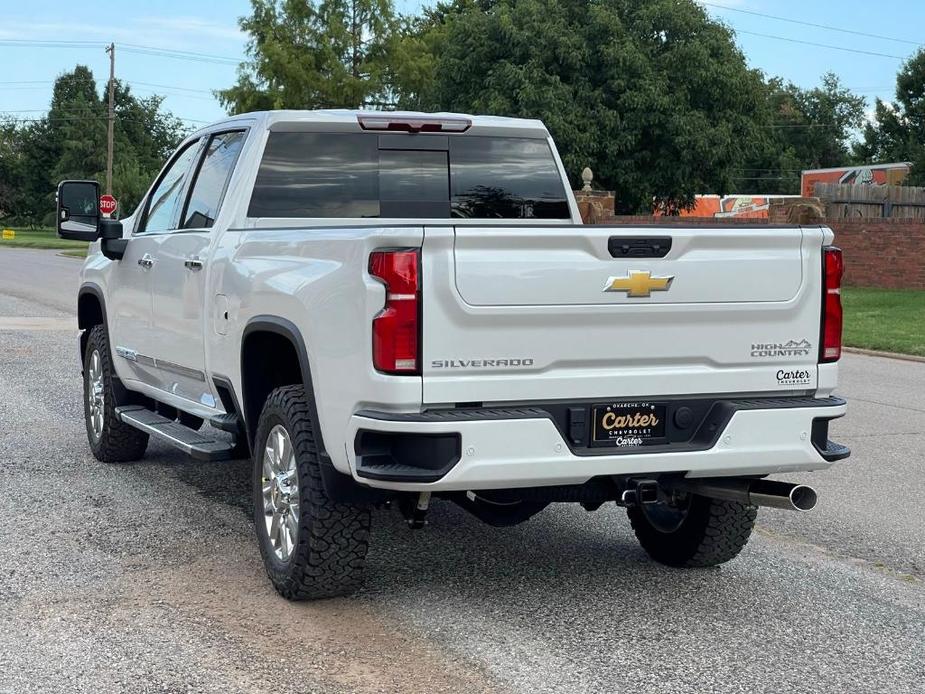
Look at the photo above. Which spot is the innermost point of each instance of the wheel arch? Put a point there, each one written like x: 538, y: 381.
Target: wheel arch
x: 260, y: 377
x: 91, y: 311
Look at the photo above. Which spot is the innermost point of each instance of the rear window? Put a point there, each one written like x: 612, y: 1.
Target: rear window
x: 333, y: 175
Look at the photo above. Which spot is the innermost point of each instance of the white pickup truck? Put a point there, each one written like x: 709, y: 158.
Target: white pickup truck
x: 394, y: 308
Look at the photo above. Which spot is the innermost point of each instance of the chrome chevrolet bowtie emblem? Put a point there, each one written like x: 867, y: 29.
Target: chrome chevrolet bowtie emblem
x: 638, y: 283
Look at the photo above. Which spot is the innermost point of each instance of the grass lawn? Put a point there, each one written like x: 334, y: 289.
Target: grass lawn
x: 892, y: 320
x: 40, y: 238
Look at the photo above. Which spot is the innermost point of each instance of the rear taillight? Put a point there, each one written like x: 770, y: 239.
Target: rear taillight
x: 832, y: 266
x: 396, y: 328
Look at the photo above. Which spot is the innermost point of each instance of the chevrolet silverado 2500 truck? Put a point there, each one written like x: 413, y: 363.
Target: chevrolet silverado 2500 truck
x: 394, y: 308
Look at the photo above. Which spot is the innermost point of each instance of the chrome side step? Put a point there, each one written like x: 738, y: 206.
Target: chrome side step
x: 198, y: 445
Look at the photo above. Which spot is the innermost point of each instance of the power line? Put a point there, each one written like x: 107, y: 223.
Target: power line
x: 83, y: 116
x: 103, y: 79
x: 167, y: 86
x: 811, y: 24
x: 180, y: 55
x: 800, y: 125
x: 130, y: 47
x: 39, y: 43
x: 820, y: 45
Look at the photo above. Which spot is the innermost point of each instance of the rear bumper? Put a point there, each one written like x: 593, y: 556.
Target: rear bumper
x: 458, y: 450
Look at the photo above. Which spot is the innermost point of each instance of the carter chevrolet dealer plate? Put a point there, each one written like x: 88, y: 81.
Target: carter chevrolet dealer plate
x: 627, y: 423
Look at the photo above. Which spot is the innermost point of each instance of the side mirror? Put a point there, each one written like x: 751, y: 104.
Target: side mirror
x: 78, y: 214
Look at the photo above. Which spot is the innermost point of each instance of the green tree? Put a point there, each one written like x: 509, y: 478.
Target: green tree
x: 303, y: 54
x: 654, y: 96
x: 897, y: 132
x: 810, y: 128
x: 11, y: 167
x: 70, y: 142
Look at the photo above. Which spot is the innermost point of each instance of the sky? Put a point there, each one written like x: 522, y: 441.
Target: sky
x: 28, y: 68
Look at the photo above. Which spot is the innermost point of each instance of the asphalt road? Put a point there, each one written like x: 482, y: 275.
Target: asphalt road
x: 146, y: 577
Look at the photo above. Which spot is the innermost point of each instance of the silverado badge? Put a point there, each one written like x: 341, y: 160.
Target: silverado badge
x: 638, y: 283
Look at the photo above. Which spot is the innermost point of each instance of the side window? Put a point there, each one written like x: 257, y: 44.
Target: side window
x: 165, y: 198
x: 212, y: 180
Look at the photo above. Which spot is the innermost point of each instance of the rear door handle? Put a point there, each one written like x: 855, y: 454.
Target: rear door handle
x: 193, y: 263
x: 146, y: 261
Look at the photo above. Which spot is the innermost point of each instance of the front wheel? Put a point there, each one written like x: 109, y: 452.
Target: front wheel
x: 693, y: 531
x: 311, y: 547
x: 111, y: 439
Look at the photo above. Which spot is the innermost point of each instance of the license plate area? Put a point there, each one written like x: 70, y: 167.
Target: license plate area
x: 628, y: 424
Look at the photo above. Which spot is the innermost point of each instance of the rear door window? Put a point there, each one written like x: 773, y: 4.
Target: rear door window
x: 339, y: 175
x: 212, y: 180
x: 163, y: 205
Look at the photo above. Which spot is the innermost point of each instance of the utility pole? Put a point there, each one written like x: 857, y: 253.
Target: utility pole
x: 111, y: 49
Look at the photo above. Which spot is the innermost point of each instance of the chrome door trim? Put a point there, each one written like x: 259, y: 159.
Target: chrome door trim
x: 163, y: 365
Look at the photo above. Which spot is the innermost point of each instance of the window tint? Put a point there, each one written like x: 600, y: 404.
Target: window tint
x: 506, y: 178
x: 317, y: 175
x: 165, y: 199
x: 369, y: 175
x: 413, y: 183
x: 211, y: 180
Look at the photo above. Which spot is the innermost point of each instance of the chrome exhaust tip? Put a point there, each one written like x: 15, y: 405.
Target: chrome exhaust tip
x: 771, y: 493
x: 793, y: 497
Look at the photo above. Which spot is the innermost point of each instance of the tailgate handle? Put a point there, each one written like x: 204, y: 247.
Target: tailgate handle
x: 639, y: 246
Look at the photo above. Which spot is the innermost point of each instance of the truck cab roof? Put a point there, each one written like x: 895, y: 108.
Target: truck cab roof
x: 348, y: 120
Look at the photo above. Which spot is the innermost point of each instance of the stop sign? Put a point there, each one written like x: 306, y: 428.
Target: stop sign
x: 108, y: 204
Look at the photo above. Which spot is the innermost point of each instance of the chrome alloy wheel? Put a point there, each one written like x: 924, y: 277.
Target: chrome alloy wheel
x: 280, y: 486
x: 95, y: 398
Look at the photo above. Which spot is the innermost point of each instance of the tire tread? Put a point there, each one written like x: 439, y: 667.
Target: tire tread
x: 119, y: 442
x: 333, y: 538
x: 714, y: 532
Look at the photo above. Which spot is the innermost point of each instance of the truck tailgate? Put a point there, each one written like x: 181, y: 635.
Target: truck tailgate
x: 520, y: 313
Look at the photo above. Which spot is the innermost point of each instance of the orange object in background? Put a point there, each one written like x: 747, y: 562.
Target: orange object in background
x: 739, y: 206
x: 875, y: 175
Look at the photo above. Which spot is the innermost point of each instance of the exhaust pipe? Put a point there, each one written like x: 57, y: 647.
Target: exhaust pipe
x: 786, y: 495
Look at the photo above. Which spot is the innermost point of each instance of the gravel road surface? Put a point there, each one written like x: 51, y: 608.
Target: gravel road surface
x: 146, y: 577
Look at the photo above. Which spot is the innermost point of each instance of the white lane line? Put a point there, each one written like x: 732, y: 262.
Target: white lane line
x: 37, y: 323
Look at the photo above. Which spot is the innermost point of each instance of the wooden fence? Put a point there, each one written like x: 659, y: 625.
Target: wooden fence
x: 860, y: 201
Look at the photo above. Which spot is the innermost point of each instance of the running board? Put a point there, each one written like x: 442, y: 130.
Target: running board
x: 197, y: 445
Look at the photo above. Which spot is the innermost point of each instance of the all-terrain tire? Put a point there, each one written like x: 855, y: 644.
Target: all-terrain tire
x: 116, y: 441
x: 711, y: 533
x: 329, y: 553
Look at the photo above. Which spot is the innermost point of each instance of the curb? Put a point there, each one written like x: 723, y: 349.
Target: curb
x: 885, y: 355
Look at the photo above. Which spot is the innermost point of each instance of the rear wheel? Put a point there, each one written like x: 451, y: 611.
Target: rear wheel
x: 111, y: 440
x: 693, y: 531
x: 311, y: 547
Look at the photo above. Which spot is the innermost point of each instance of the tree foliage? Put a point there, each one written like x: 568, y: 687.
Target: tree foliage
x: 70, y: 142
x: 897, y: 132
x: 654, y: 96
x: 303, y: 54
x: 809, y: 129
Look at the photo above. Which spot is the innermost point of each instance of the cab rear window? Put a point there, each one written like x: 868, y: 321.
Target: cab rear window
x: 341, y: 175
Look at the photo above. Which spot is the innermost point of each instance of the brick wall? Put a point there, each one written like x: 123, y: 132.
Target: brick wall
x: 887, y: 253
